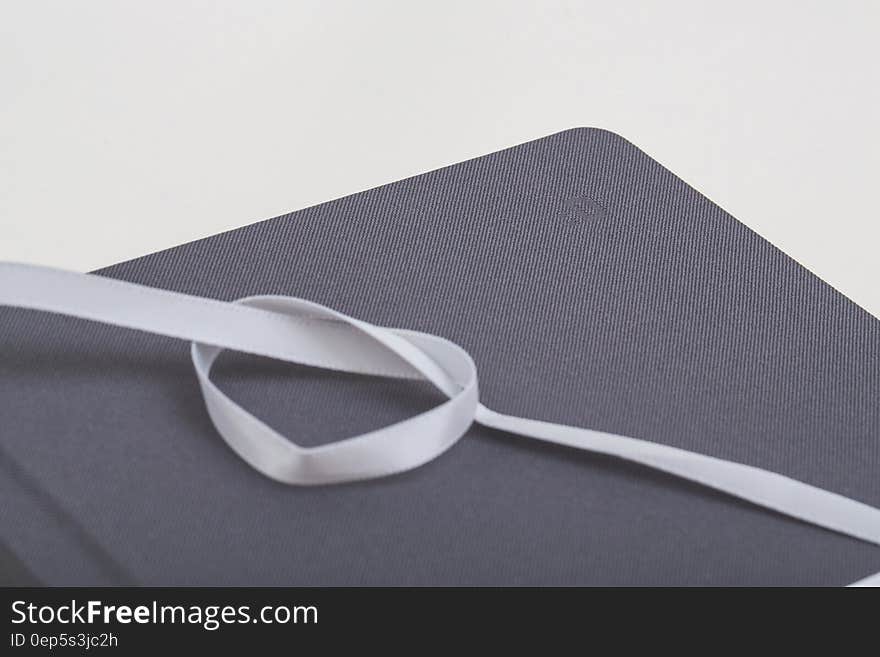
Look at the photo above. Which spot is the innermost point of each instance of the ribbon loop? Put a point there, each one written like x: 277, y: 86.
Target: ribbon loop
x: 398, y: 447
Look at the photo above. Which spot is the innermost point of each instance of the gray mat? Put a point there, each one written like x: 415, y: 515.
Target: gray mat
x: 592, y: 287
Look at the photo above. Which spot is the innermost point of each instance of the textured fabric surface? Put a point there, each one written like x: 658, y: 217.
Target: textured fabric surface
x: 641, y: 309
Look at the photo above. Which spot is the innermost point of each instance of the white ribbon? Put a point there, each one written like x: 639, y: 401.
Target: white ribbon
x: 300, y: 331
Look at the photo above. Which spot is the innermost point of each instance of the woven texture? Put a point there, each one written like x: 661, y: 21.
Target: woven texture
x: 592, y: 287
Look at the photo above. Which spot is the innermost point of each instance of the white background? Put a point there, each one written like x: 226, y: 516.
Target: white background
x: 127, y: 127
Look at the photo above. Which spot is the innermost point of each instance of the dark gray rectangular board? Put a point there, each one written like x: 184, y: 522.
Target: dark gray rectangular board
x: 592, y: 286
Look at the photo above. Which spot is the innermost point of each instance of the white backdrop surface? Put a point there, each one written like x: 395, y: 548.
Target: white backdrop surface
x: 128, y: 127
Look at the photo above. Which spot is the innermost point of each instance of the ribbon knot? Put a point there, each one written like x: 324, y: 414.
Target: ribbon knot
x: 338, y: 345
